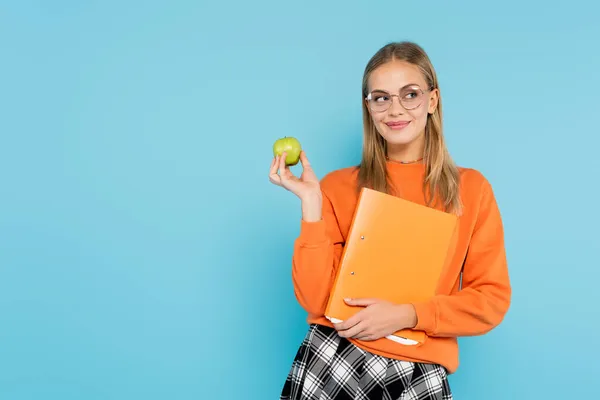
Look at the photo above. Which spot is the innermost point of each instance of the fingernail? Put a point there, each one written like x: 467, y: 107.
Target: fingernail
x: 347, y: 299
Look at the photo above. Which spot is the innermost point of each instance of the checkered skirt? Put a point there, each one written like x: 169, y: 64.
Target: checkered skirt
x: 329, y: 367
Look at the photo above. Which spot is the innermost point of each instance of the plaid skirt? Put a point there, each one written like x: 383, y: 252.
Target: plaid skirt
x: 329, y: 367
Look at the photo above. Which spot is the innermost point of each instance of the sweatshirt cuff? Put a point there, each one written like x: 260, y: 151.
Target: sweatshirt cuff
x: 426, y: 316
x: 312, y: 232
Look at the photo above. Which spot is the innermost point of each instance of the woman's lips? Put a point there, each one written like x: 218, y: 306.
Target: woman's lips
x: 398, y: 124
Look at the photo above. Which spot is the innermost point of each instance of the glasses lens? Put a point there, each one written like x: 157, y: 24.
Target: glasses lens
x: 380, y: 100
x: 411, y: 97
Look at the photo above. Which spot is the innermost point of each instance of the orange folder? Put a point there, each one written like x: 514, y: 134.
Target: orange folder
x: 395, y: 251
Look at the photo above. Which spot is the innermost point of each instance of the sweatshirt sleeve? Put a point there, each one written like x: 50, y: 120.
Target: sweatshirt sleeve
x: 317, y: 252
x: 485, y: 296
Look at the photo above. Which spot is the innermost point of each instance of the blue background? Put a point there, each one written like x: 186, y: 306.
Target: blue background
x: 145, y: 255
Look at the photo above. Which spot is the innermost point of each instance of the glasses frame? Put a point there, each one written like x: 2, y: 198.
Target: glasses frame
x: 369, y: 98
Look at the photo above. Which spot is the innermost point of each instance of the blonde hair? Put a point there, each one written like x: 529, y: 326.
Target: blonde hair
x: 441, y: 183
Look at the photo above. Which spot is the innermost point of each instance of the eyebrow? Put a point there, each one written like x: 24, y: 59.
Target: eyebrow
x: 403, y: 87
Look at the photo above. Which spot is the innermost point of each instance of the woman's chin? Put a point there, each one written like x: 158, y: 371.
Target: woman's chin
x: 400, y: 138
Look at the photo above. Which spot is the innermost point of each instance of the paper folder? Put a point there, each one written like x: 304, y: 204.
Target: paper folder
x: 395, y: 251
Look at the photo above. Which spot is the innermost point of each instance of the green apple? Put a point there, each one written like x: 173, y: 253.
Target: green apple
x: 292, y: 148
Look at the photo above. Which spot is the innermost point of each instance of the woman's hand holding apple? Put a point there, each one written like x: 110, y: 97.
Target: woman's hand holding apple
x: 306, y: 187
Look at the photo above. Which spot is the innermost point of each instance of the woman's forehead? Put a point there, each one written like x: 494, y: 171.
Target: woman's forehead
x: 396, y: 75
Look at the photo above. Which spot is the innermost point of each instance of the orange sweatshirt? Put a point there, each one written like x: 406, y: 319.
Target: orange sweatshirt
x: 479, y: 252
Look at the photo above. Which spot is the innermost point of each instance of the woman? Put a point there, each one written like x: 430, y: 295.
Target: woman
x: 404, y: 154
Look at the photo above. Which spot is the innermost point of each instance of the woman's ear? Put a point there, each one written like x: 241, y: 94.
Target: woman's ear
x: 434, y: 96
x: 368, y: 108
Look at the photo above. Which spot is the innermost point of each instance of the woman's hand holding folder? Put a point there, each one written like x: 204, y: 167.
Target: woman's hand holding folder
x: 306, y: 187
x: 377, y: 319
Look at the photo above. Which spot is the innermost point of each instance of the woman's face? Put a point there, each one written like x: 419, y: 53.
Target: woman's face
x: 399, y: 103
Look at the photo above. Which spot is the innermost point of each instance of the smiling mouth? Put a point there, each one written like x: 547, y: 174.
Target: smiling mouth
x: 398, y: 125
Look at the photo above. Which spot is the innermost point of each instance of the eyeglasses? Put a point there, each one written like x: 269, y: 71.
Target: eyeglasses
x: 410, y: 97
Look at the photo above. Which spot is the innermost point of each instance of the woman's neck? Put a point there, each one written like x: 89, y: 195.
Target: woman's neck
x: 409, y: 153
